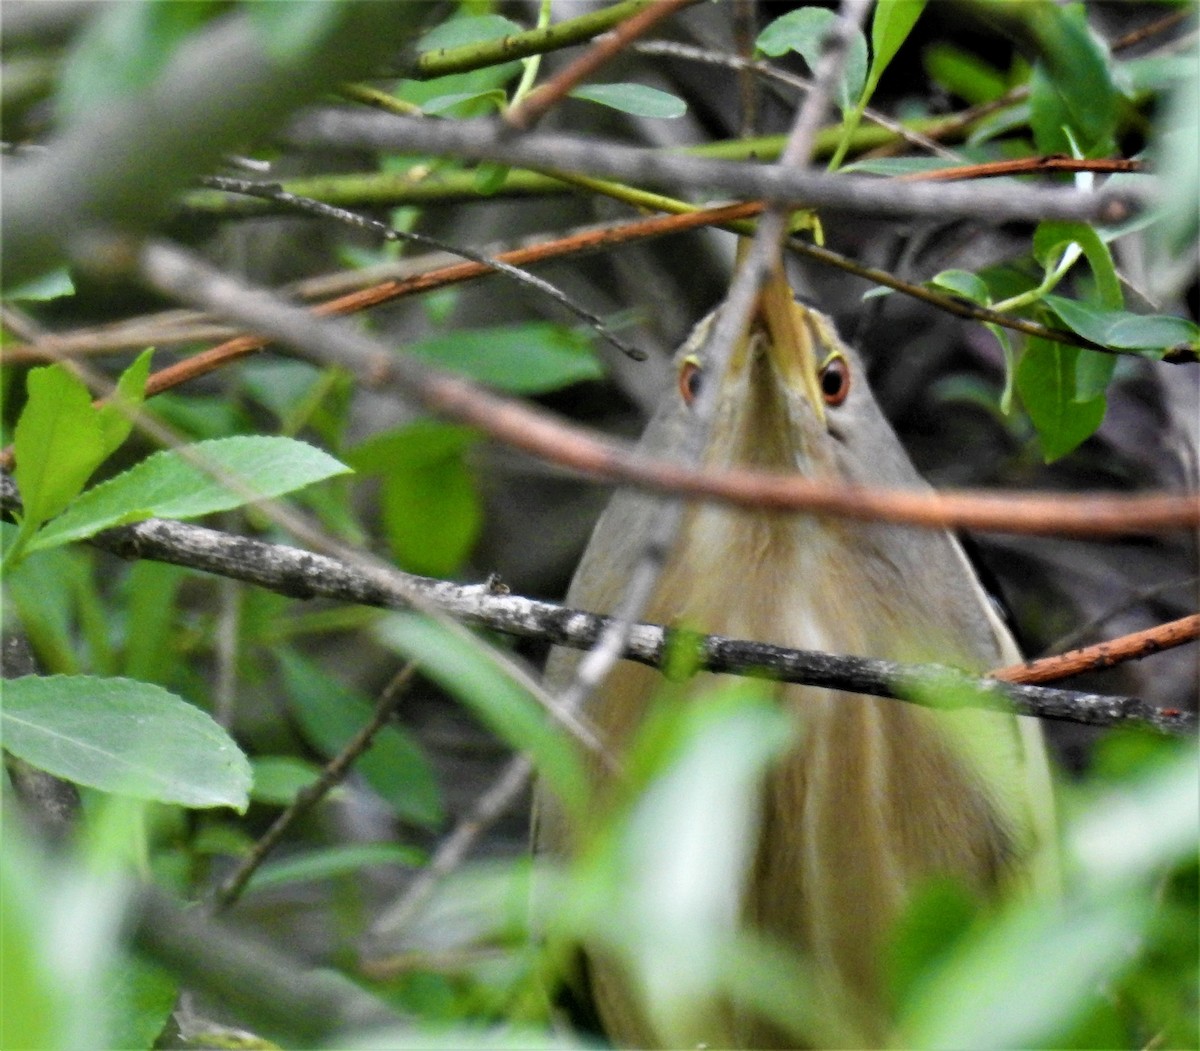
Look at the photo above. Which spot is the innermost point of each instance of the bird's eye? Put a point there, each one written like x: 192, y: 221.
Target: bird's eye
x: 691, y: 375
x: 835, y: 380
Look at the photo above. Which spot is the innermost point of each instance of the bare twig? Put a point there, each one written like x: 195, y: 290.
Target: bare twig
x: 1107, y: 654
x: 310, y: 795
x: 274, y: 192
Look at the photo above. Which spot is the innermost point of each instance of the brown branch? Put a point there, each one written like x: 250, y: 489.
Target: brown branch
x: 547, y: 437
x: 589, y: 241
x: 537, y: 103
x: 1106, y: 654
x: 1026, y: 166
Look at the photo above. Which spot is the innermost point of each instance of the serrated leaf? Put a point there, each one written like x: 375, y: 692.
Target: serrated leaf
x: 1046, y: 381
x: 804, y: 31
x: 116, y: 414
x: 330, y: 714
x: 465, y: 670
x: 962, y: 283
x: 1150, y: 334
x: 170, y: 485
x: 521, y: 359
x: 126, y: 737
x: 58, y: 443
x: 639, y: 100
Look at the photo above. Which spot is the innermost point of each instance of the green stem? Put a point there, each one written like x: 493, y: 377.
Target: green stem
x: 534, y: 62
x: 521, y: 45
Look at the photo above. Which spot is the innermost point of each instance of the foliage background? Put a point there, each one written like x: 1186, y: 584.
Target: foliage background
x: 292, y: 679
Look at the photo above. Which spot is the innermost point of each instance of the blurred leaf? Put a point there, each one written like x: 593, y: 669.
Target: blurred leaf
x: 1046, y: 380
x: 1176, y: 150
x: 139, y: 997
x: 1024, y: 979
x: 468, y: 29
x: 463, y: 668
x: 122, y: 50
x: 278, y: 778
x: 42, y: 590
x: 170, y: 484
x: 933, y: 922
x: 637, y: 99
x: 432, y: 511
x: 151, y: 590
x: 458, y: 32
x: 488, y: 180
x: 962, y: 283
x: 52, y: 285
x: 493, y: 98
x: 291, y: 30
x: 126, y: 737
x: 963, y: 74
x: 332, y: 862
x: 330, y: 714
x: 1071, y: 85
x: 804, y: 31
x: 519, y: 359
x: 1151, y: 334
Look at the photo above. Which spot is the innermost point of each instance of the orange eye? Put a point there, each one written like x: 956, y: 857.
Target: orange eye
x: 835, y: 380
x: 691, y: 375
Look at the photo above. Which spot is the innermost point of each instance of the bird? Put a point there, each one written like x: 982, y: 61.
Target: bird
x: 877, y: 797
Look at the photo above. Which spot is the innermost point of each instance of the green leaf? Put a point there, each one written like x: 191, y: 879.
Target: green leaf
x: 125, y: 737
x: 458, y: 32
x: 1046, y: 381
x: 432, y: 510
x: 519, y: 359
x: 278, y: 778
x: 463, y: 668
x: 493, y: 97
x: 53, y: 285
x: 171, y: 484
x: 333, y: 862
x: 804, y: 31
x: 637, y: 99
x: 468, y: 29
x: 890, y: 27
x: 962, y: 283
x: 116, y: 414
x: 963, y: 74
x: 150, y: 590
x: 1050, y: 238
x: 139, y: 997
x: 933, y: 922
x: 1150, y: 334
x: 1071, y: 85
x: 58, y: 443
x: 488, y: 179
x: 330, y: 714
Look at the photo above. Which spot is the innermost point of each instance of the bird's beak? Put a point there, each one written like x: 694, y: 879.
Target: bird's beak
x: 790, y: 340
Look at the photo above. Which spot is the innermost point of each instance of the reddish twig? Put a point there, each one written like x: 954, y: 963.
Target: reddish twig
x: 537, y: 103
x: 241, y: 346
x: 1106, y: 654
x: 1026, y: 166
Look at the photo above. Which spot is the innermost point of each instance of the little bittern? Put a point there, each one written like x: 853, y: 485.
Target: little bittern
x: 878, y: 796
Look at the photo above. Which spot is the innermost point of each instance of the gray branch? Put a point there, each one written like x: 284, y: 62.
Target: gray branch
x: 302, y: 574
x: 485, y: 140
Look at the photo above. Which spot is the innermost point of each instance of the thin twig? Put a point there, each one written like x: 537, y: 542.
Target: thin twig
x: 1103, y: 655
x: 1026, y: 166
x: 274, y: 192
x: 310, y: 795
